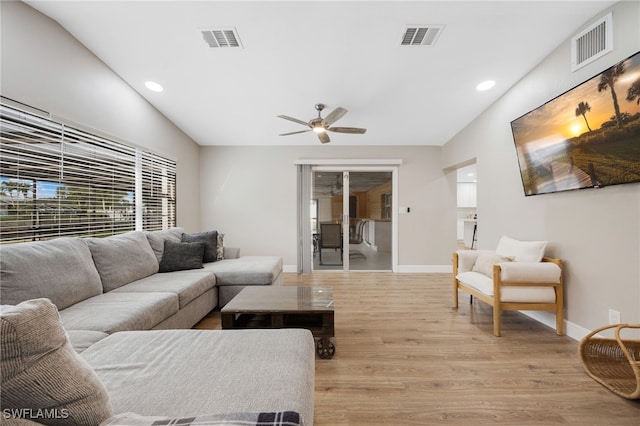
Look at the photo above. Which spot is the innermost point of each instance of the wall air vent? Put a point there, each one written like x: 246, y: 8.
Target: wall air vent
x: 223, y: 37
x: 421, y: 35
x: 592, y: 43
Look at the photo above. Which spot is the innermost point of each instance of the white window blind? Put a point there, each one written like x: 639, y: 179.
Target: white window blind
x: 158, y: 192
x: 57, y: 180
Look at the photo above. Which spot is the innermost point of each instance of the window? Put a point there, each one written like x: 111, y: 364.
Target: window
x: 56, y: 180
x: 158, y: 192
x: 385, y: 205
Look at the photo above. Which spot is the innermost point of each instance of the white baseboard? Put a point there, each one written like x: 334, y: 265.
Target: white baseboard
x: 290, y: 268
x: 430, y: 269
x: 572, y: 330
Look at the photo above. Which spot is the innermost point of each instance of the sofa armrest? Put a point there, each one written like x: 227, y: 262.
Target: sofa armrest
x: 231, y: 252
x: 467, y: 258
x: 530, y: 272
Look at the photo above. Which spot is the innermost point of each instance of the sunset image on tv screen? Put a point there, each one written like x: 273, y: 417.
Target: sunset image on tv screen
x: 587, y: 137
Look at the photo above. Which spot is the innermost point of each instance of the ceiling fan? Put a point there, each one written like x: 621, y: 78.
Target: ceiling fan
x: 321, y: 125
x: 336, y: 188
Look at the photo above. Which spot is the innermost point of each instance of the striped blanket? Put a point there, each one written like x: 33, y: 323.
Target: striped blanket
x: 281, y: 418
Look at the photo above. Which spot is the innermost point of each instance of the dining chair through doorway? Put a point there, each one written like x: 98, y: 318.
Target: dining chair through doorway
x: 330, y: 238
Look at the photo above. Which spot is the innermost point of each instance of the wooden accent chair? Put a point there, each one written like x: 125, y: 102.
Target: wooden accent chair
x: 511, y: 278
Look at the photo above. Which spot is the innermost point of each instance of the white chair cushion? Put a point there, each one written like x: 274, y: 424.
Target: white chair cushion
x: 484, y: 284
x: 523, y: 251
x: 541, y: 272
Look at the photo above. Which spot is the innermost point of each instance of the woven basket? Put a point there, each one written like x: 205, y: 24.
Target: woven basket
x: 614, y: 363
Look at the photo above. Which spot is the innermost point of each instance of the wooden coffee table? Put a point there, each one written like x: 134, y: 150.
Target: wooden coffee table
x: 284, y: 307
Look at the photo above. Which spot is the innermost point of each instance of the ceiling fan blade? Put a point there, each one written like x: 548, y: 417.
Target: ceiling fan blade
x: 295, y: 120
x: 324, y: 137
x: 294, y: 133
x: 356, y: 130
x: 335, y: 115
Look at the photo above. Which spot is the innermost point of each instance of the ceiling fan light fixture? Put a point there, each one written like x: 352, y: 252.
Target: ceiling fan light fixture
x: 322, y: 126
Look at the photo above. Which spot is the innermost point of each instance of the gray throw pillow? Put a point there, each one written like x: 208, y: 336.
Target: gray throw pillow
x: 181, y: 256
x: 210, y: 240
x: 43, y: 378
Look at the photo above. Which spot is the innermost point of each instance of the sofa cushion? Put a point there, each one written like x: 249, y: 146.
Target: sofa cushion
x: 181, y: 256
x: 522, y: 251
x: 157, y: 238
x: 82, y: 339
x: 188, y: 285
x: 121, y: 259
x: 229, y: 252
x: 238, y: 371
x: 484, y: 284
x: 41, y: 371
x: 61, y: 270
x: 246, y: 270
x: 210, y: 240
x: 111, y: 312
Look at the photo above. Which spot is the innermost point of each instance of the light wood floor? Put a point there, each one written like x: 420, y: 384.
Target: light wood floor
x: 405, y: 357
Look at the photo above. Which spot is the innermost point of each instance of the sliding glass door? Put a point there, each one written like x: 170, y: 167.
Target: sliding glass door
x: 353, y: 226
x: 370, y: 207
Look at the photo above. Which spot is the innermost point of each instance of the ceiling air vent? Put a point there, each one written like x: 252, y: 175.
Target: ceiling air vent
x: 421, y: 35
x: 227, y: 37
x: 592, y: 43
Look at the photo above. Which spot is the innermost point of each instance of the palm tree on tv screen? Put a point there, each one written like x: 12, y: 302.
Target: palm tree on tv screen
x: 582, y: 110
x: 608, y: 80
x: 634, y: 92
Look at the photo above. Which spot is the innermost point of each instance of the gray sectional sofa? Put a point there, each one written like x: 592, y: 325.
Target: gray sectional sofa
x: 124, y: 318
x: 104, y: 285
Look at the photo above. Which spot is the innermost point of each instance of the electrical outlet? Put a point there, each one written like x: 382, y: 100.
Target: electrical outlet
x: 614, y: 317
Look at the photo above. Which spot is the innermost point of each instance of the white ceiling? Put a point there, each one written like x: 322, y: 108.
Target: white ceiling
x: 299, y: 53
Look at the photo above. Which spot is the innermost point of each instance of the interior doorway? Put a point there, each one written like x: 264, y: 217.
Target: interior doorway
x: 467, y: 223
x: 354, y: 207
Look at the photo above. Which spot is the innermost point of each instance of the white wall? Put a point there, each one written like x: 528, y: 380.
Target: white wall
x: 250, y: 194
x: 47, y: 68
x: 596, y: 231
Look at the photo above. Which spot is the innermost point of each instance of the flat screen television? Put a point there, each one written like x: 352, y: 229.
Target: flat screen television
x: 587, y: 137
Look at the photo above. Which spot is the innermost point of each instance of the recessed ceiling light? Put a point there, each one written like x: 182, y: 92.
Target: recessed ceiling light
x: 485, y: 85
x: 153, y: 86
